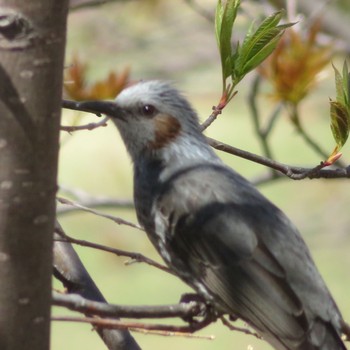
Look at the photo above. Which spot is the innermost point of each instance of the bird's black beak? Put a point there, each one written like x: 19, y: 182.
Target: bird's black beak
x: 109, y: 108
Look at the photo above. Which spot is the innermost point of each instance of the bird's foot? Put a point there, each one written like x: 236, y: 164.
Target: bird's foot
x: 207, y: 313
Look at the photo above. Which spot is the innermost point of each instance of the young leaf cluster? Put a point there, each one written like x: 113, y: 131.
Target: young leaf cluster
x: 255, y: 48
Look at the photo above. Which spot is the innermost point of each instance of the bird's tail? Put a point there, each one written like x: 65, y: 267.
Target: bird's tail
x: 345, y: 328
x: 323, y: 336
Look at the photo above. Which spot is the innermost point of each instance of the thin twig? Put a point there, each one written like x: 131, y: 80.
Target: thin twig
x: 116, y: 219
x: 211, y: 118
x: 295, y: 173
x: 89, y: 126
x: 87, y: 200
x: 84, y: 196
x: 136, y: 257
x: 97, y: 202
x: 135, y: 326
x: 174, y: 334
x: 230, y: 326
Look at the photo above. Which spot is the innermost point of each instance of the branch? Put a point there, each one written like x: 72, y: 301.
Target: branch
x: 89, y: 126
x: 231, y: 327
x: 138, y: 326
x: 75, y: 302
x: 263, y: 134
x: 136, y: 257
x: 69, y: 269
x: 295, y: 173
x: 216, y: 111
x: 226, y: 97
x: 87, y: 200
x: 116, y: 219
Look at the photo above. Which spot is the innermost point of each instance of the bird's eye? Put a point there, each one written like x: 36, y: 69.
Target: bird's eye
x: 148, y: 110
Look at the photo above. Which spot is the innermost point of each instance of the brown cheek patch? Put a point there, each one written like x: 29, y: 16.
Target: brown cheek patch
x: 166, y: 129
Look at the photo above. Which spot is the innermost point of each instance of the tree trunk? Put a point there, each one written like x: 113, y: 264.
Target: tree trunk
x: 32, y: 41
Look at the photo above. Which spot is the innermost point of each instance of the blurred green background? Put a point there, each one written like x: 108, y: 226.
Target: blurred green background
x: 169, y: 40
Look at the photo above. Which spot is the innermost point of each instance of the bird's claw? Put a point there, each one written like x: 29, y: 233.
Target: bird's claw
x: 207, y: 313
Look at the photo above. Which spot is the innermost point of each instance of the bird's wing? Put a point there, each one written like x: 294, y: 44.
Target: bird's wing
x: 239, y: 249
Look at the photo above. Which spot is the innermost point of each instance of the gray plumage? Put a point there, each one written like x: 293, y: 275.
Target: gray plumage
x: 214, y: 229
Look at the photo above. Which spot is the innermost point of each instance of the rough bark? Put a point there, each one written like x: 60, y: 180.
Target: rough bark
x: 32, y: 41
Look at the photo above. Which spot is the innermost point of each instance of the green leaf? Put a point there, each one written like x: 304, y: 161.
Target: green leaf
x: 264, y: 51
x: 339, y: 87
x: 227, y: 68
x: 224, y: 18
x: 218, y: 20
x: 340, y: 122
x: 267, y: 24
x: 258, y: 46
x: 340, y: 108
x: 346, y: 84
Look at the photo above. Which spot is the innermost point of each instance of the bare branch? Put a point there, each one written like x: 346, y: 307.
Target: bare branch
x: 116, y: 219
x: 295, y: 173
x: 211, y: 118
x: 136, y: 326
x: 87, y: 200
x: 174, y: 334
x: 225, y: 99
x: 69, y: 269
x: 89, y: 126
x: 75, y: 302
x: 231, y: 327
x: 136, y: 257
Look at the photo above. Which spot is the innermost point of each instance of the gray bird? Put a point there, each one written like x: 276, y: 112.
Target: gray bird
x: 214, y: 229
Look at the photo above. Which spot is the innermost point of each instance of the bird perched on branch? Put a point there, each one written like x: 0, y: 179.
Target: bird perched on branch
x: 214, y: 229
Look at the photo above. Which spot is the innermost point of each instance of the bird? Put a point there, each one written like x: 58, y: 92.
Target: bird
x: 214, y: 229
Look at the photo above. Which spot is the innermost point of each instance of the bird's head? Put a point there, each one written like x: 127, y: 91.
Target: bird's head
x: 150, y: 115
